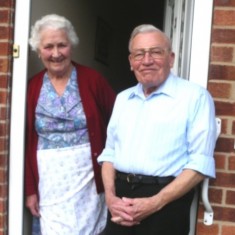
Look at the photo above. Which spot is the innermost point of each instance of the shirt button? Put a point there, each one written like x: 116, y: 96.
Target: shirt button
x: 95, y: 154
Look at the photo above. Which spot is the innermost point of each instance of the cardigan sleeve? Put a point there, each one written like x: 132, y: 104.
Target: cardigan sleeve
x: 31, y: 138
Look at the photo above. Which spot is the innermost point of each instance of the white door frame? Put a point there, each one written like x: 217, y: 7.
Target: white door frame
x: 17, y: 122
x: 199, y: 65
x: 201, y: 39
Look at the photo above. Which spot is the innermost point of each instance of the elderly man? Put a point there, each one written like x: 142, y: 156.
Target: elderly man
x: 160, y: 143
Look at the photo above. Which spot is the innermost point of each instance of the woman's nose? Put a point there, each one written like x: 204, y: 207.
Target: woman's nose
x: 55, y: 52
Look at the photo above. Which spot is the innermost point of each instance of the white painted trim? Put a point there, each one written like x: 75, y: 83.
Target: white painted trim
x: 201, y: 36
x: 17, y: 126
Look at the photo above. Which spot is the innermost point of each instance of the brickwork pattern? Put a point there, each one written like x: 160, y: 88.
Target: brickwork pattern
x: 221, y: 85
x: 6, y: 36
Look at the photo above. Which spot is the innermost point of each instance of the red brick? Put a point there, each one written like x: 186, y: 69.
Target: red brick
x: 220, y: 90
x: 202, y: 229
x: 3, y: 145
x: 222, y: 72
x: 5, y: 48
x: 4, y: 65
x: 3, y: 176
x: 225, y: 145
x: 229, y: 3
x: 220, y: 161
x: 4, y: 113
x: 230, y: 197
x: 4, y: 32
x: 225, y: 108
x: 221, y: 54
x: 231, y: 163
x: 224, y: 180
x: 223, y: 35
x: 3, y: 131
x: 4, y: 16
x: 224, y: 17
x: 3, y: 160
x: 3, y: 206
x: 228, y: 230
x: 233, y: 127
x: 4, y: 80
x: 3, y: 190
x: 3, y: 97
x: 215, y: 195
x: 7, y: 3
x: 222, y: 213
x: 3, y: 224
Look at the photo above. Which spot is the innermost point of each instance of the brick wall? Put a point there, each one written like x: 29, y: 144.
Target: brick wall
x: 6, y: 33
x: 222, y: 87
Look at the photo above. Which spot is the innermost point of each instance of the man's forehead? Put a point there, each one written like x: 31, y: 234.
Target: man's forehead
x: 149, y: 39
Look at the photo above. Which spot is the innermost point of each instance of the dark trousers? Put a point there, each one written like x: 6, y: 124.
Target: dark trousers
x: 173, y: 219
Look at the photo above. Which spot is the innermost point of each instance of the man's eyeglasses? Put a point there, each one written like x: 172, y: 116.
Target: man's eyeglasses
x: 154, y: 52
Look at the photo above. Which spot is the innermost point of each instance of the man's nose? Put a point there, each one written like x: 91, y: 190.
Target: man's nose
x: 147, y: 57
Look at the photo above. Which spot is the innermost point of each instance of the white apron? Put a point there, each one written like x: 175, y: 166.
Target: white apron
x: 69, y: 203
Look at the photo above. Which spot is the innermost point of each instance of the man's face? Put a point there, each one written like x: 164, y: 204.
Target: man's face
x: 151, y: 59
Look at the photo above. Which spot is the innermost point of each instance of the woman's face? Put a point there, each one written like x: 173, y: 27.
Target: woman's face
x: 55, y: 51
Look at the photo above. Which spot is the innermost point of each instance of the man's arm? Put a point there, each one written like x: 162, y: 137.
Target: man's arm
x: 119, y: 209
x: 143, y: 207
x: 108, y: 175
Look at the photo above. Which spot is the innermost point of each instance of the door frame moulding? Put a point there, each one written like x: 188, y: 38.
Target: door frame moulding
x: 201, y: 39
x: 17, y: 122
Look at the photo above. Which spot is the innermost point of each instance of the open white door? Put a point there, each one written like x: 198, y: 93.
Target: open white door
x: 17, y: 126
x: 178, y: 26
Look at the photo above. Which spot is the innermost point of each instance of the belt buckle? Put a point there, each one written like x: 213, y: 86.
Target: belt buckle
x: 130, y: 178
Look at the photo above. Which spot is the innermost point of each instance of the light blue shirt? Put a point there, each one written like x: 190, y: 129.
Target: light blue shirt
x: 171, y: 130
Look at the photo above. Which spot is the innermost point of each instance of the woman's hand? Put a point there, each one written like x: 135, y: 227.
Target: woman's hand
x: 32, y: 205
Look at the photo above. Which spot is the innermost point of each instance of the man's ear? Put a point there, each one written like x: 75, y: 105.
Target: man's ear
x: 172, y: 59
x: 129, y: 58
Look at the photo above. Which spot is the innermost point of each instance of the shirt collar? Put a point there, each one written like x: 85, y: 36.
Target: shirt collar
x: 167, y: 88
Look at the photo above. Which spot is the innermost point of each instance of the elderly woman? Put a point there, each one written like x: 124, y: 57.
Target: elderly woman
x: 68, y: 108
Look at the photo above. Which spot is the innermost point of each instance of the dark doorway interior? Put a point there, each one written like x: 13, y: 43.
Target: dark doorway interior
x: 128, y: 15
x: 122, y: 17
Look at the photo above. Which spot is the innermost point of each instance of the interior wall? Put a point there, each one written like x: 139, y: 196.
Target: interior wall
x: 121, y: 17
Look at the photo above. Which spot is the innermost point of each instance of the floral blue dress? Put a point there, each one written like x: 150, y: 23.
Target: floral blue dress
x: 60, y: 124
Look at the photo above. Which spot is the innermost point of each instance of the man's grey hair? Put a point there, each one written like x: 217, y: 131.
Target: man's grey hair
x: 147, y: 28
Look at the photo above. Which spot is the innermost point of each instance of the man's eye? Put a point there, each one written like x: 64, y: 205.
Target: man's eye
x: 156, y: 52
x: 138, y: 55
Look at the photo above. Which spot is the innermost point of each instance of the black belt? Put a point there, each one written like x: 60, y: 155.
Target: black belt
x: 143, y: 179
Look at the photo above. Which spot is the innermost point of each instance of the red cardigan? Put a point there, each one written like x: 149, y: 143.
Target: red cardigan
x: 97, y: 99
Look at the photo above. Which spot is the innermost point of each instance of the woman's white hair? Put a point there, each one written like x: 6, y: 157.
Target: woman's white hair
x: 147, y: 28
x: 52, y: 21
